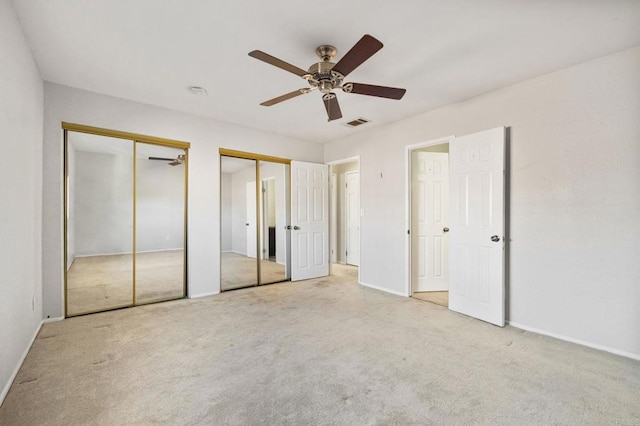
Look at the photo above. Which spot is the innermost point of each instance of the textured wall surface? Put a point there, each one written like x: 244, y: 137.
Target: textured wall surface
x: 575, y: 197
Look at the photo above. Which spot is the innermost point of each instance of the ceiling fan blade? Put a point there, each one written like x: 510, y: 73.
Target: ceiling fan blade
x: 284, y: 97
x: 371, y: 90
x: 258, y: 54
x: 360, y: 52
x: 332, y: 106
x: 161, y: 158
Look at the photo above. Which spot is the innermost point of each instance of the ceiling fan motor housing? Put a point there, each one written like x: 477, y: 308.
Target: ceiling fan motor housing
x: 322, y: 76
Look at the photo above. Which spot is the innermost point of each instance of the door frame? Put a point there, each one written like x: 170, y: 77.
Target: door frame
x: 353, y: 159
x: 333, y: 217
x: 408, y: 149
x: 346, y: 216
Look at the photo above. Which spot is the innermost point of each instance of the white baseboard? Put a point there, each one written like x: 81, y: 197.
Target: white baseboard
x: 577, y: 341
x: 6, y: 388
x: 386, y: 290
x: 198, y: 296
x: 55, y: 319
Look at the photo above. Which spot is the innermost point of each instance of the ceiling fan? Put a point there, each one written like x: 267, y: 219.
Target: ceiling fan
x: 327, y: 76
x: 172, y: 161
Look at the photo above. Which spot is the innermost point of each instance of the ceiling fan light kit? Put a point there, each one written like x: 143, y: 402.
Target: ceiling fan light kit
x: 326, y: 76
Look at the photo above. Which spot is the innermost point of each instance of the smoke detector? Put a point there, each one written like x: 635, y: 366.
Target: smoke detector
x: 197, y: 90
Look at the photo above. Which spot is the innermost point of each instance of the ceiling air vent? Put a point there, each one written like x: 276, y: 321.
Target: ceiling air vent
x: 357, y: 122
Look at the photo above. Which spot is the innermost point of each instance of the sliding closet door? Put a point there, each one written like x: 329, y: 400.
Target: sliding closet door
x: 238, y: 223
x: 274, y: 217
x: 99, y: 223
x: 160, y: 216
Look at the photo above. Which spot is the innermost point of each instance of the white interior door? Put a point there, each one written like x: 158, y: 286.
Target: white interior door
x: 477, y: 225
x: 429, y: 214
x: 352, y: 196
x: 309, y: 220
x: 251, y: 220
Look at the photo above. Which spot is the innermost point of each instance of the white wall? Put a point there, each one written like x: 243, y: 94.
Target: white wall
x: 575, y: 197
x: 159, y: 205
x: 21, y: 194
x: 103, y: 203
x: 225, y: 214
x: 63, y: 103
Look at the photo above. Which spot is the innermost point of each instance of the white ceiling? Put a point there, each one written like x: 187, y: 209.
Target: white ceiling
x: 441, y: 51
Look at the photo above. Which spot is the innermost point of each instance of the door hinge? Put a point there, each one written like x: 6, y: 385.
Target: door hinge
x: 408, y: 231
x: 346, y: 253
x: 264, y: 190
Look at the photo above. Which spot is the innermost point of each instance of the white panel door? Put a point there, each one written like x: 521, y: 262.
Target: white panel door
x: 429, y: 213
x: 477, y: 225
x: 352, y: 195
x: 309, y: 220
x: 251, y: 220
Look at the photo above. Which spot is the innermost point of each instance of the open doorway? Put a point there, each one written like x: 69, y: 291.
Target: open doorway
x: 456, y: 223
x: 345, y: 216
x: 429, y: 203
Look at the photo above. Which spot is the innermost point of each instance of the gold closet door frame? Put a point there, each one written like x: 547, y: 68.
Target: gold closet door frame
x: 135, y: 138
x: 224, y: 152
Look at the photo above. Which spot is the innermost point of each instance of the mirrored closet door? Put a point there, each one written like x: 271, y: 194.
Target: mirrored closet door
x: 125, y: 227
x: 274, y: 214
x: 254, y: 214
x: 160, y: 223
x: 99, y: 223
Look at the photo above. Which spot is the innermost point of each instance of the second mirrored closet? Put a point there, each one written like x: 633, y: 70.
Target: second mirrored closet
x: 125, y: 219
x: 254, y: 214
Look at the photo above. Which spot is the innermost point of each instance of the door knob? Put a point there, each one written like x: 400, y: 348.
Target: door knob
x: 247, y: 224
x: 287, y: 227
x: 295, y: 228
x: 495, y: 238
x: 445, y: 229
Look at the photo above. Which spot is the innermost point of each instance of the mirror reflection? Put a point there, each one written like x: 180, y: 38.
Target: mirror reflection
x: 274, y: 178
x: 99, y: 223
x: 160, y: 223
x: 238, y: 223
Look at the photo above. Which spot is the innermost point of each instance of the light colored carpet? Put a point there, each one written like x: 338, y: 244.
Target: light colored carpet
x: 105, y: 282
x: 318, y: 352
x: 438, y: 297
x: 238, y: 271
